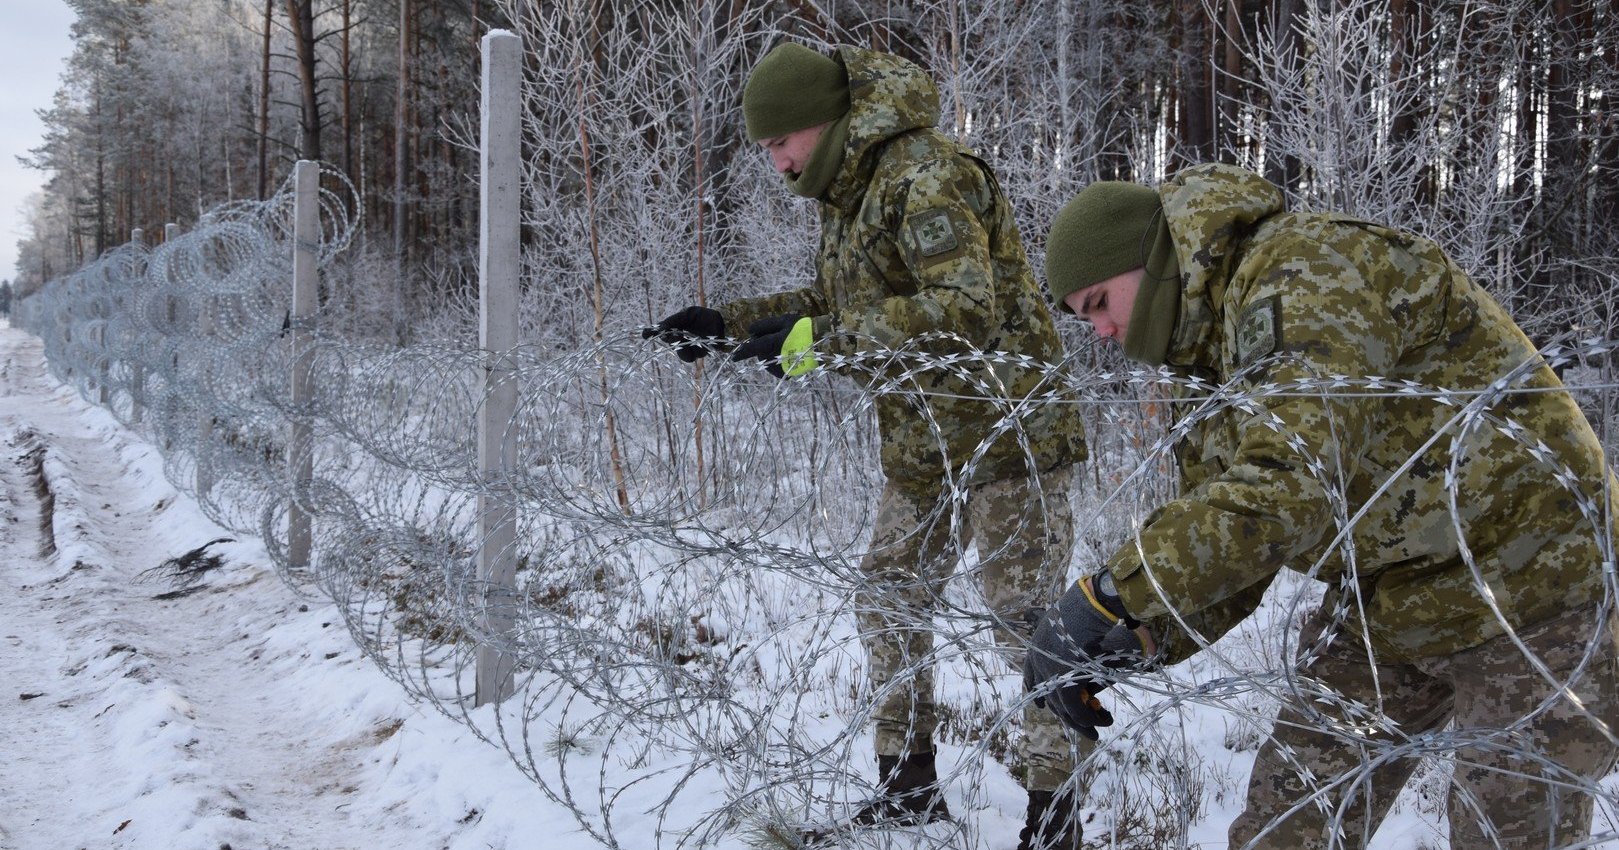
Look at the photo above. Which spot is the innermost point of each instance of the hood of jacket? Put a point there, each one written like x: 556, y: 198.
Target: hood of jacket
x: 888, y: 96
x: 1211, y: 210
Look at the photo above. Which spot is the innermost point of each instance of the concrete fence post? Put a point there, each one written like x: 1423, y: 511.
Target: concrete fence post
x: 498, y: 269
x: 305, y: 286
x: 104, y: 372
x: 137, y: 372
x: 205, y: 417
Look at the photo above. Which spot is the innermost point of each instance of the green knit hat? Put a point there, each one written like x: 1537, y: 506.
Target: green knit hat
x: 793, y: 87
x: 1102, y: 232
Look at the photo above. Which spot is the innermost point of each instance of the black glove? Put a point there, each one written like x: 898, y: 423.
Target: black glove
x: 1078, y: 640
x: 765, y: 339
x: 694, y: 326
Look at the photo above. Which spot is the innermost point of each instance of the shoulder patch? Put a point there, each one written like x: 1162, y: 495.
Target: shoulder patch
x: 1259, y: 330
x: 933, y: 232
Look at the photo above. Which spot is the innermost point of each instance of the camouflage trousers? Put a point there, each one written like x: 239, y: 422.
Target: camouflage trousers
x: 1518, y: 749
x: 1023, y: 535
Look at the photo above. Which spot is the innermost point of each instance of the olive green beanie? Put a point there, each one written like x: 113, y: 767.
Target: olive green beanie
x: 793, y: 87
x: 1110, y: 228
x: 1102, y: 232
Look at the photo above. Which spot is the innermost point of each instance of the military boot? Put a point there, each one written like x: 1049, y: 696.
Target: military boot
x: 1051, y: 823
x: 908, y: 795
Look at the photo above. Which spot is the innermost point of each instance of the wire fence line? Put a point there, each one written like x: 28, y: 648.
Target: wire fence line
x: 688, y: 670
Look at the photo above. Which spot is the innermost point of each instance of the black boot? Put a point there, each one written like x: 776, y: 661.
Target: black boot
x: 1051, y: 823
x: 908, y: 795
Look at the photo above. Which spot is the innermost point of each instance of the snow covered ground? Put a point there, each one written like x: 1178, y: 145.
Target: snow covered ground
x: 239, y: 716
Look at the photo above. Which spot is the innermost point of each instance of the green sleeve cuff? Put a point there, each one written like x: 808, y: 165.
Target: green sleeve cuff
x: 1135, y: 591
x: 830, y: 342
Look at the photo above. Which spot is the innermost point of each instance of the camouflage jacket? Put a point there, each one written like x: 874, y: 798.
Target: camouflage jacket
x: 1307, y: 296
x: 916, y: 236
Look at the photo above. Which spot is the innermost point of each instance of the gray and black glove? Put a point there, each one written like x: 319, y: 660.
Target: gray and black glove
x: 693, y: 330
x: 1077, y: 643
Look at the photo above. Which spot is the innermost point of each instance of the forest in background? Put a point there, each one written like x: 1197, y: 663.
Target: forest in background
x: 1485, y: 125
x: 1489, y: 125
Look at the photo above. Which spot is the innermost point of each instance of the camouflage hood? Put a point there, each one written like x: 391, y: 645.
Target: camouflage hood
x: 1267, y: 478
x: 1211, y: 210
x: 918, y: 238
x: 887, y: 96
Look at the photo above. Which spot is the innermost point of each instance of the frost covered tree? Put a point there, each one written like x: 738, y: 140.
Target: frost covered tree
x: 1486, y: 125
x: 169, y: 107
x: 1403, y: 112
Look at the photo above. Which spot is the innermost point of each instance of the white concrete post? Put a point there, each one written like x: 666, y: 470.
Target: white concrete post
x: 103, y: 394
x: 137, y: 373
x: 205, y: 421
x: 103, y: 369
x: 498, y: 267
x: 305, y: 285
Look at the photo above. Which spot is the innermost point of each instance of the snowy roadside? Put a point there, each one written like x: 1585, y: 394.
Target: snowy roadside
x: 238, y: 715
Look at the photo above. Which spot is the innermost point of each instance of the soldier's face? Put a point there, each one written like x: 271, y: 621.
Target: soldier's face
x: 1107, y: 305
x: 790, y: 153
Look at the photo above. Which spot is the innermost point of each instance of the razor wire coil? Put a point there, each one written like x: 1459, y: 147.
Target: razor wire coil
x: 688, y: 541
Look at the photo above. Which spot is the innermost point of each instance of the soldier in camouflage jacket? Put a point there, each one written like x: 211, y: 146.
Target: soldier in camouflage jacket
x: 917, y: 239
x: 1226, y: 285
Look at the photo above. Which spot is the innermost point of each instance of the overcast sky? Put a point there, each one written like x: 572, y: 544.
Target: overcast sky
x: 33, y: 43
